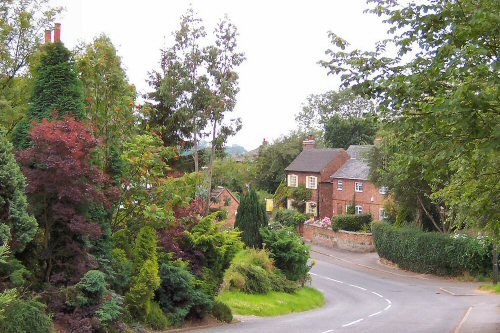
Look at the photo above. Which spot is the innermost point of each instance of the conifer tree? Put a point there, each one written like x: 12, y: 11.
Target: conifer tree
x: 56, y: 89
x: 250, y: 218
x: 16, y: 226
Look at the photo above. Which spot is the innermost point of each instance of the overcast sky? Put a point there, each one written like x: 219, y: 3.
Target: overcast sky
x: 282, y: 40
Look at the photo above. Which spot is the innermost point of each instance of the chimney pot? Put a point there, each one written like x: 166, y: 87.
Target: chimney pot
x: 57, y: 32
x: 309, y: 144
x: 311, y: 136
x: 48, y: 36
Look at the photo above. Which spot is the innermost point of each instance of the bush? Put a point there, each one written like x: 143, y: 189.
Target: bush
x: 257, y: 279
x: 25, y: 316
x: 351, y: 222
x: 201, y: 305
x: 110, y: 310
x: 432, y: 252
x: 222, y: 312
x: 155, y: 318
x: 289, y: 217
x: 288, y: 251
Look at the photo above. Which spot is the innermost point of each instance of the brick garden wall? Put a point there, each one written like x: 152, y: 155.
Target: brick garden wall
x: 345, y: 240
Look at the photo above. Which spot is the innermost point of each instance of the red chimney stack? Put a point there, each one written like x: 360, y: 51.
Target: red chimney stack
x: 57, y: 32
x: 309, y: 144
x: 48, y: 36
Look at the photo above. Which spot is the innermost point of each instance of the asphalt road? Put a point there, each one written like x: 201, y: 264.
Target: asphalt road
x: 360, y: 299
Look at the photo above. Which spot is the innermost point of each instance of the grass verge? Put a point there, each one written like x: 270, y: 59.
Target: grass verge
x: 273, y: 303
x: 494, y: 288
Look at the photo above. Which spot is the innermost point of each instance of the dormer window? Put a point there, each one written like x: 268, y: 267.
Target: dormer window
x: 358, y: 186
x: 293, y: 180
x: 340, y: 185
x: 312, y: 182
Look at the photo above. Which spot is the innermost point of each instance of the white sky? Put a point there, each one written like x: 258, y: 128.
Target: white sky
x: 282, y: 40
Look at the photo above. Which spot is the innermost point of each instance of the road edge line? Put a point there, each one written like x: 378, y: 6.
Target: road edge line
x: 457, y: 329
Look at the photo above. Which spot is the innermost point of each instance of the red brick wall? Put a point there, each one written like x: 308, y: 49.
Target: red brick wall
x: 231, y: 209
x: 345, y: 240
x: 363, y: 199
x: 302, y: 180
x: 334, y: 165
x: 326, y: 202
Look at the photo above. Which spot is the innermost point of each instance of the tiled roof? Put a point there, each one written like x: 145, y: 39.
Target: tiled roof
x: 353, y: 169
x: 359, y: 151
x: 313, y: 160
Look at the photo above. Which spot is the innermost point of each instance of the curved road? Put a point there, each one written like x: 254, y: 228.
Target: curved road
x: 364, y: 299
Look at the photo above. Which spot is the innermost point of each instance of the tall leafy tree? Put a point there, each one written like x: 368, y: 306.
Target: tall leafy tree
x: 442, y: 86
x: 17, y: 226
x: 250, y: 218
x: 108, y: 95
x: 56, y: 88
x: 341, y: 132
x: 62, y: 185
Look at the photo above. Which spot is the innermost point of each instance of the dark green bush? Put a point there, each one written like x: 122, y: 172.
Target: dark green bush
x: 222, y: 312
x: 351, y: 222
x: 289, y: 217
x: 25, y: 316
x: 257, y: 279
x: 432, y: 252
x: 155, y: 318
x: 288, y: 251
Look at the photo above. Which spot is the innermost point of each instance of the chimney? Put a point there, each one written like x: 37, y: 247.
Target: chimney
x: 48, y: 36
x: 57, y: 32
x: 309, y: 144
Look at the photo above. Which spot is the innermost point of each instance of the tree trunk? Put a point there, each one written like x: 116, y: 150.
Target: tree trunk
x: 495, y: 263
x: 211, y: 165
x: 195, y: 155
x: 429, y: 215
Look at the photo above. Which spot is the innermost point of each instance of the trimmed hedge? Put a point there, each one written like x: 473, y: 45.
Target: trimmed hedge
x: 432, y: 252
x: 351, y: 222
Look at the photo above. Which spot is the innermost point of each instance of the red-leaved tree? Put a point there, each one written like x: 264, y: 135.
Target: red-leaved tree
x: 62, y: 185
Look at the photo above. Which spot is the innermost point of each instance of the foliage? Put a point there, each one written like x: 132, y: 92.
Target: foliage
x: 107, y: 94
x: 57, y: 91
x: 495, y: 289
x: 25, y: 316
x: 111, y: 310
x: 218, y: 247
x: 62, y: 184
x: 321, y: 108
x: 250, y: 218
x: 288, y: 251
x: 300, y: 195
x: 274, y: 158
x: 155, y: 318
x: 340, y: 132
x: 18, y: 226
x: 273, y: 303
x: 232, y: 174
x: 89, y: 290
x: 432, y: 252
x: 351, y: 222
x: 289, y: 217
x: 143, y: 286
x: 439, y: 94
x: 222, y: 312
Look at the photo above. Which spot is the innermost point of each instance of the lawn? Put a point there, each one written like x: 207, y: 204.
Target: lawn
x: 491, y: 288
x: 273, y: 303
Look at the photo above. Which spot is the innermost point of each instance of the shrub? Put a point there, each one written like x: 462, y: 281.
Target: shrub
x: 23, y: 316
x: 222, y: 312
x: 289, y: 217
x: 432, y: 252
x: 201, y: 305
x: 250, y: 218
x: 110, y: 310
x: 351, y: 222
x: 155, y: 318
x: 288, y: 251
x: 257, y: 279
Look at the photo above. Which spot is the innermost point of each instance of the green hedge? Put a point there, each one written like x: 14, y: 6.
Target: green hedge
x: 289, y: 217
x: 351, y: 222
x: 432, y: 252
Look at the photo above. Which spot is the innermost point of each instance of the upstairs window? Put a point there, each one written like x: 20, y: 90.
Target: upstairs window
x: 340, y: 185
x: 383, y: 190
x: 358, y: 186
x: 312, y: 182
x: 358, y: 210
x: 382, y: 214
x: 311, y: 208
x: 293, y: 180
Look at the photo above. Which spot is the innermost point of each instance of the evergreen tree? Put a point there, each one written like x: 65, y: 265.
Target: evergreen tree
x: 56, y: 88
x: 16, y: 225
x: 250, y: 218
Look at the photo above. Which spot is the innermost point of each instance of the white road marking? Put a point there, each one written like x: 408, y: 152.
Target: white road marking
x: 334, y: 280
x: 353, y: 322
x: 374, y: 314
x: 377, y: 294
x: 387, y: 307
x: 388, y: 301
x: 329, y: 331
x: 355, y: 286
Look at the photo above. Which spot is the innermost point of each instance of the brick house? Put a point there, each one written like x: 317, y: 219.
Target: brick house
x: 223, y: 199
x: 313, y: 168
x: 341, y: 176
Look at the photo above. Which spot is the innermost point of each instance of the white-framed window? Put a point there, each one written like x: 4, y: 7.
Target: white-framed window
x: 340, y: 185
x: 289, y: 204
x: 311, y: 208
x: 358, y: 186
x: 358, y: 210
x: 312, y: 182
x: 293, y: 180
x: 382, y: 214
x: 383, y: 190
